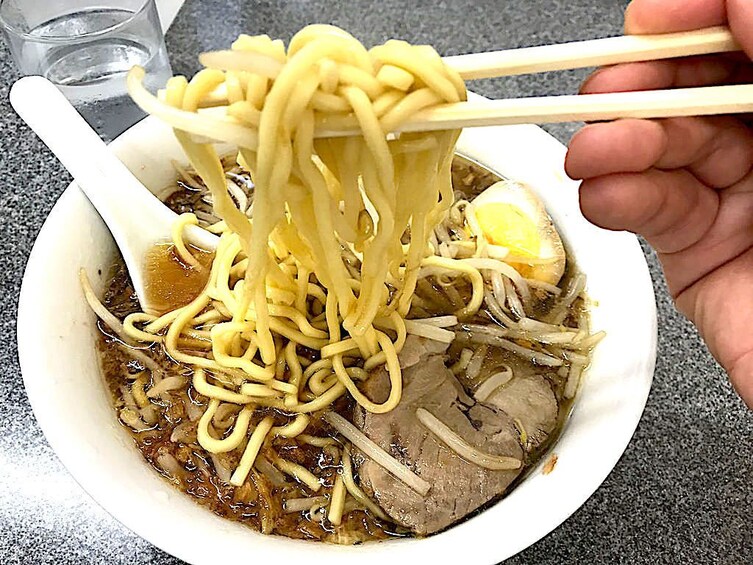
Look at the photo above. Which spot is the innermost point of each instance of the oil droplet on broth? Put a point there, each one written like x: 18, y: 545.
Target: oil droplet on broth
x: 169, y: 282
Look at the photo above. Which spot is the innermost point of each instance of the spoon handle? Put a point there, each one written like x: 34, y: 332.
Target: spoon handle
x: 137, y: 219
x: 87, y: 158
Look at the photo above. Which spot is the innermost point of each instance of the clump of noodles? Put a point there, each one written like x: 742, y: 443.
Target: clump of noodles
x: 312, y: 197
x: 317, y: 270
x: 328, y: 256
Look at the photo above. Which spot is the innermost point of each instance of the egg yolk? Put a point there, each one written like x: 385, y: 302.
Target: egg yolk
x: 508, y: 226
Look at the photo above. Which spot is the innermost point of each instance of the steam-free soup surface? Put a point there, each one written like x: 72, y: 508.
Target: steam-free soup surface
x: 524, y: 416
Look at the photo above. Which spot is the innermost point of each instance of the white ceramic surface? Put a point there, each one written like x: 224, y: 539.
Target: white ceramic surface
x: 136, y: 219
x: 56, y: 334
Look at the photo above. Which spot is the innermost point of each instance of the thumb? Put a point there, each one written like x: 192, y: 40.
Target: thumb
x: 740, y: 16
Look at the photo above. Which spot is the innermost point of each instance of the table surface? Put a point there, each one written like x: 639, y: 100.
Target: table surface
x: 682, y: 492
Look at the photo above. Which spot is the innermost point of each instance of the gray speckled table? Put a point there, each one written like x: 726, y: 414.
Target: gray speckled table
x: 683, y: 491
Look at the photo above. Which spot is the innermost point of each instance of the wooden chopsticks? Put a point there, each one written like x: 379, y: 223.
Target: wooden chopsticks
x: 593, y: 53
x: 700, y: 101
x: 589, y: 107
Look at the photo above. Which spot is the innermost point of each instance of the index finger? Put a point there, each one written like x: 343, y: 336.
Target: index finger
x: 667, y: 16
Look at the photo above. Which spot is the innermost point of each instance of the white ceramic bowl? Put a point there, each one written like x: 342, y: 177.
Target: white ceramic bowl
x: 56, y: 336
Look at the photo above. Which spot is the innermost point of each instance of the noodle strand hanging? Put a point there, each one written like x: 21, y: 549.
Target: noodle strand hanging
x: 312, y: 198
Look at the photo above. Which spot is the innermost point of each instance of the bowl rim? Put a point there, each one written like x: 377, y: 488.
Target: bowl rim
x: 482, y: 142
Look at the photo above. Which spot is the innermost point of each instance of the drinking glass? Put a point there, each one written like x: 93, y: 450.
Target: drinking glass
x: 86, y: 47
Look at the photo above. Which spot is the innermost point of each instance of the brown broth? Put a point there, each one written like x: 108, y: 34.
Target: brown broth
x: 259, y: 502
x: 169, y: 282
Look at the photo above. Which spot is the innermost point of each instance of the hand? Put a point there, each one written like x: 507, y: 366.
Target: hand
x: 684, y: 184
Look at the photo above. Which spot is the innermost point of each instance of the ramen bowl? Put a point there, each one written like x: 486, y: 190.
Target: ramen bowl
x: 57, y: 334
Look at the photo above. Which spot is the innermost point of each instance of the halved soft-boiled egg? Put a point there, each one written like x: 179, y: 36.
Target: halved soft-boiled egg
x: 510, y: 215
